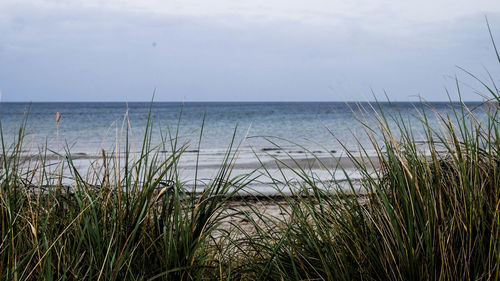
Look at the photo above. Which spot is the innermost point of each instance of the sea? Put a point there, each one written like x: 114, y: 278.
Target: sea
x: 259, y: 131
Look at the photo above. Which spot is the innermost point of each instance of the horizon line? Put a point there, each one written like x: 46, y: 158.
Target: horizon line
x: 247, y: 101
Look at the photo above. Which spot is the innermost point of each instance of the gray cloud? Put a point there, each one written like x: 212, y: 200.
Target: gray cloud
x: 68, y: 53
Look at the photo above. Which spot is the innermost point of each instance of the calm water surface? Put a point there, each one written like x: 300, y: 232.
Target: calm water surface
x: 88, y: 127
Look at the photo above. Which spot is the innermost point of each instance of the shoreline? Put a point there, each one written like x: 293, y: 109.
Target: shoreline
x: 272, y: 175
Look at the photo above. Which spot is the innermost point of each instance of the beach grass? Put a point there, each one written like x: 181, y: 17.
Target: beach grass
x: 429, y: 211
x: 424, y: 209
x: 122, y: 221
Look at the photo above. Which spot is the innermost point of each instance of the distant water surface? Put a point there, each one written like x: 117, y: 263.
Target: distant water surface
x: 88, y: 127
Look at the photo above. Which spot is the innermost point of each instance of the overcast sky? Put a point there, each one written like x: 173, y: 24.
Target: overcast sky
x: 252, y: 50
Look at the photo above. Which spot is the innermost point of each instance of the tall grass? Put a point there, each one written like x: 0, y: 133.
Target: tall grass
x: 117, y: 223
x: 423, y: 214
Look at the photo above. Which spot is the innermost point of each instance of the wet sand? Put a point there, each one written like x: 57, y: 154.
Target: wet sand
x: 272, y: 174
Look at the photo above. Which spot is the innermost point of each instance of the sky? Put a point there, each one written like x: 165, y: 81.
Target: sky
x: 249, y: 50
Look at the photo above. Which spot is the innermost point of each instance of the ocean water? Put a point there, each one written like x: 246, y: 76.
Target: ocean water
x: 327, y: 128
x: 88, y: 127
